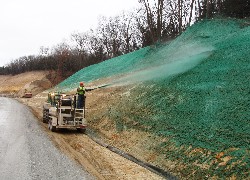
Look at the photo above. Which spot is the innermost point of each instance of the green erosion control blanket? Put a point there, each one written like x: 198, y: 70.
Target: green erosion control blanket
x: 194, y: 90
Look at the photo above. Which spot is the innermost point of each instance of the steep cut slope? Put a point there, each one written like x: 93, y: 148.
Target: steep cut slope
x: 193, y: 93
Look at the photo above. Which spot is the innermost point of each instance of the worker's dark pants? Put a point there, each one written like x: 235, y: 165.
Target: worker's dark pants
x: 80, y: 102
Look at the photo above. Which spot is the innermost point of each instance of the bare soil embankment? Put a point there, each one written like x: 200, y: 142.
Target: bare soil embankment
x: 96, y: 159
x: 34, y: 82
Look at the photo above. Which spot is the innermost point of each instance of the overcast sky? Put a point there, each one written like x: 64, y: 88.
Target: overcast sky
x: 26, y: 25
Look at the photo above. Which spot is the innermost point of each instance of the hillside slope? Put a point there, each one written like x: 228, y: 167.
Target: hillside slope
x: 191, y: 94
x: 34, y: 82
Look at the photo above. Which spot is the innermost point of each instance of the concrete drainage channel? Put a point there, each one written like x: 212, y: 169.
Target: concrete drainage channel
x: 148, y: 166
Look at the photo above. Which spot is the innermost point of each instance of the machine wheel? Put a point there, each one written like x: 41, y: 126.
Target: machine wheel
x: 53, y: 128
x: 46, y: 112
x: 45, y: 115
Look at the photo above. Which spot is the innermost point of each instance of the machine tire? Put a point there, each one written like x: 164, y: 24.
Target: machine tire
x: 46, y: 107
x: 53, y: 128
x: 45, y: 115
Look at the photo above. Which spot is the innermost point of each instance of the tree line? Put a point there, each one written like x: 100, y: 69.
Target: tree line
x: 153, y: 22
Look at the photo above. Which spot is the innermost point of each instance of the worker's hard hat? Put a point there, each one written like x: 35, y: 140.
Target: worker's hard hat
x: 81, y: 84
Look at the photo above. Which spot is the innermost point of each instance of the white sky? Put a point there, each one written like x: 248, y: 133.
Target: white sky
x: 26, y: 25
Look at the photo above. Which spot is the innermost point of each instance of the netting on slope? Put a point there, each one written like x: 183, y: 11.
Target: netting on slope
x: 208, y: 105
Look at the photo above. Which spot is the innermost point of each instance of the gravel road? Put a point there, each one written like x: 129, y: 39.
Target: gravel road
x: 26, y: 151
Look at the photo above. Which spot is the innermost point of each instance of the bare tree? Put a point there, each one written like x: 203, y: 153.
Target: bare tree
x: 129, y: 32
x: 81, y: 45
x: 191, y: 11
x: 180, y: 2
x: 150, y: 20
x: 109, y: 31
x: 61, y: 53
x: 166, y: 18
x: 159, y: 18
x: 96, y: 47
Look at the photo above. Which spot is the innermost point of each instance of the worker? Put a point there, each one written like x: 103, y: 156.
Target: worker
x: 81, y: 93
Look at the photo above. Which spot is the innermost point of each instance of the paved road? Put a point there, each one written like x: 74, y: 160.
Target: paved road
x: 25, y: 150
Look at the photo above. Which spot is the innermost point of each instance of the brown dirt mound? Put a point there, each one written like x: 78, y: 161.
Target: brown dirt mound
x: 34, y: 82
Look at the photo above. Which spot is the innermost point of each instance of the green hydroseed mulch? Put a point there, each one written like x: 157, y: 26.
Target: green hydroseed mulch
x: 194, y: 90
